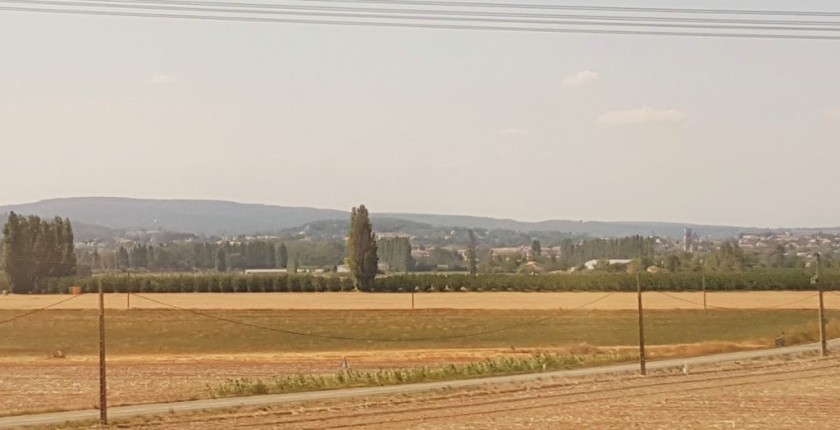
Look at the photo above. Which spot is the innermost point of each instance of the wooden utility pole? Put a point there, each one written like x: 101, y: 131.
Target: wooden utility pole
x: 641, y: 328
x: 128, y: 291
x: 412, y: 297
x: 103, y: 391
x: 823, y: 345
x: 703, y: 269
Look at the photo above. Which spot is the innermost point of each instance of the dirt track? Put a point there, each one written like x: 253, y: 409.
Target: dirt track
x: 501, y: 300
x: 778, y: 394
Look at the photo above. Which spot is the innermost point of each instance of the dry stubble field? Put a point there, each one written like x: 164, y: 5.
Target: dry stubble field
x: 493, y: 300
x: 144, y: 368
x: 791, y: 393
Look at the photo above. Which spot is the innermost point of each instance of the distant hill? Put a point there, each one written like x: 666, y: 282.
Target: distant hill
x: 203, y: 217
x: 104, y: 215
x: 84, y: 232
x: 575, y: 228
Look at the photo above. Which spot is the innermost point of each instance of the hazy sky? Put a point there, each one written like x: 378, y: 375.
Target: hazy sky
x: 515, y: 125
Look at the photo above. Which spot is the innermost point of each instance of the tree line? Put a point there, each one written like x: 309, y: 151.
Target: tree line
x: 205, y: 256
x: 574, y: 254
x: 770, y: 280
x: 396, y: 253
x: 36, y: 250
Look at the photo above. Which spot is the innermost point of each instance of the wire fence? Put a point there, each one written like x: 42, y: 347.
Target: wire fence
x: 706, y: 305
x: 35, y: 311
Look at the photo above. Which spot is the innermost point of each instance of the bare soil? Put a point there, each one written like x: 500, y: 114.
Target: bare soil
x: 773, y: 394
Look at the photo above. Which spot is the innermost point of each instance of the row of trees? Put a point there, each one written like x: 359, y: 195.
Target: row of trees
x: 203, y: 283
x: 573, y: 254
x: 781, y: 279
x: 210, y: 256
x: 729, y: 257
x: 35, y: 250
x: 396, y: 252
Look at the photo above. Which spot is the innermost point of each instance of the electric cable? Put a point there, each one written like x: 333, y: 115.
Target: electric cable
x: 458, y: 24
x: 26, y: 314
x: 248, y: 7
x: 587, y: 8
x: 419, y: 17
x: 733, y: 308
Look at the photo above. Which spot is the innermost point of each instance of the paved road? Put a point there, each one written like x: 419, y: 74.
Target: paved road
x: 198, y: 405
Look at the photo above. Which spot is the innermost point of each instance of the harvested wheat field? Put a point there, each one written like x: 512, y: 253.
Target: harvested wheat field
x: 490, y: 300
x: 793, y: 393
x: 43, y: 384
x: 166, y: 354
x: 169, y: 354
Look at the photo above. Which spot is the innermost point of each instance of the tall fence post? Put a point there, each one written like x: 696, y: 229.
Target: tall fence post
x: 642, y: 368
x: 103, y: 390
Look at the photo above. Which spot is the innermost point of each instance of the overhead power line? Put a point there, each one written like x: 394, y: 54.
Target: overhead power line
x: 26, y: 314
x: 739, y: 308
x: 585, y: 8
x: 424, y: 25
x: 421, y: 17
x: 436, y: 12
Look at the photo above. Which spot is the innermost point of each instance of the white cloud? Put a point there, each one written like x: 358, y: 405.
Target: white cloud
x: 835, y: 114
x: 642, y: 115
x: 514, y: 131
x: 160, y: 79
x: 580, y: 79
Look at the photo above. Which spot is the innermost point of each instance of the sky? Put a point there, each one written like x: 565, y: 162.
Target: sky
x: 501, y: 124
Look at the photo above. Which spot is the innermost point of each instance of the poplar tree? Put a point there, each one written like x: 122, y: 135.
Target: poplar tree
x: 122, y: 258
x: 396, y: 251
x: 361, y: 249
x: 472, y: 254
x: 221, y: 260
x: 271, y: 260
x: 536, y: 249
x: 34, y: 249
x: 282, y: 256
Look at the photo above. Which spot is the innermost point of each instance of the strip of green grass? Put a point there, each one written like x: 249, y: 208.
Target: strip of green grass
x: 149, y: 332
x: 538, y: 362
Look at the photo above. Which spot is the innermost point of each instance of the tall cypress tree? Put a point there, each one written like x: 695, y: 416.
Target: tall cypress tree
x: 361, y: 249
x: 472, y: 253
x: 67, y: 252
x: 272, y: 256
x: 123, y: 260
x: 13, y: 251
x: 221, y: 260
x: 536, y: 249
x: 282, y: 256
